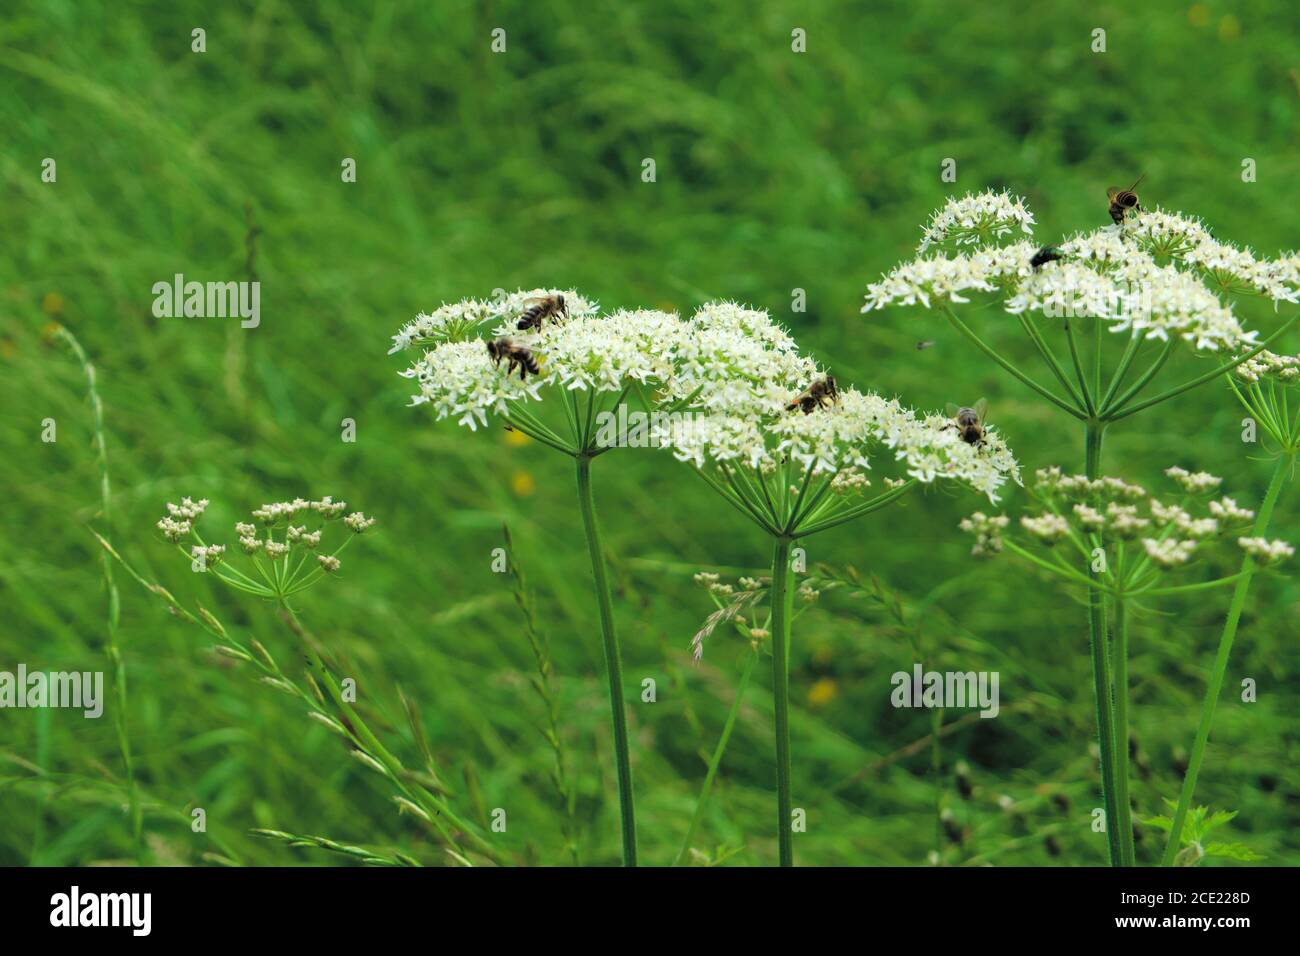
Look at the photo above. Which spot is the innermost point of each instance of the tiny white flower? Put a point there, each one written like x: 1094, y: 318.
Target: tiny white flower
x: 1266, y: 550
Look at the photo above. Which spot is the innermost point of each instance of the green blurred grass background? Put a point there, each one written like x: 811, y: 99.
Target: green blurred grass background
x: 775, y: 171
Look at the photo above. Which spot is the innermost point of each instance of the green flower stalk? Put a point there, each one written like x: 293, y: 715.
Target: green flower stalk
x: 1264, y: 385
x: 501, y: 358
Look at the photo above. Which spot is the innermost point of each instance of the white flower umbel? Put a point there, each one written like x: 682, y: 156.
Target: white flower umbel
x: 583, y: 354
x: 976, y: 218
x: 1159, y: 278
x: 286, y: 569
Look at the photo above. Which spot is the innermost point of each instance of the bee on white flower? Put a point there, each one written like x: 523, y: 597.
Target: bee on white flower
x: 358, y: 522
x: 1110, y: 273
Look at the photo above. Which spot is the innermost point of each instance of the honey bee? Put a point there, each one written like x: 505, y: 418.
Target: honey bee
x: 1122, y: 200
x: 1045, y: 255
x: 969, y: 422
x: 515, y: 355
x: 818, y: 395
x: 542, y: 307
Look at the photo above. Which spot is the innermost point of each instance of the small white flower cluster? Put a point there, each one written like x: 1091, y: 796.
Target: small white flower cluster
x: 1267, y: 365
x: 940, y: 277
x: 179, y: 520
x: 836, y: 440
x: 357, y: 521
x: 277, y: 511
x: 987, y: 530
x: 1111, y: 273
x: 1233, y: 269
x: 976, y: 217
x: 210, y: 554
x: 1089, y: 518
x: 298, y: 534
x: 1182, y: 520
x: 188, y: 509
x: 1193, y: 483
x: 1047, y: 527
x: 179, y: 523
x: 1228, y: 510
x: 733, y: 360
x: 1049, y: 481
x: 1169, y: 534
x: 1124, y: 520
x: 1265, y: 550
x: 714, y: 584
x: 1169, y: 552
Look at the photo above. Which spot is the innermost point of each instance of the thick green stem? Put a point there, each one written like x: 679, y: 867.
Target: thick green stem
x: 782, y: 598
x: 613, y: 662
x: 1125, y: 821
x: 1284, y: 464
x: 1101, y: 679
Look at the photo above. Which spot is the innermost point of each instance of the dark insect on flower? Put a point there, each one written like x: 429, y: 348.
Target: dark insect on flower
x: 515, y: 355
x: 542, y: 308
x: 818, y: 395
x: 1045, y: 255
x: 969, y: 422
x: 1123, y: 200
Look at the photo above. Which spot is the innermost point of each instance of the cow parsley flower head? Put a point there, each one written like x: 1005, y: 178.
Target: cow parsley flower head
x: 987, y: 530
x: 1267, y: 366
x: 977, y: 217
x: 286, y: 546
x: 579, y: 351
x: 1169, y: 552
x: 1193, y: 482
x: 1159, y: 275
x: 775, y: 430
